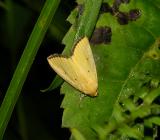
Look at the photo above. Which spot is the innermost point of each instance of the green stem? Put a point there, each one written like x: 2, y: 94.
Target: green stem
x: 89, y: 18
x: 25, y: 63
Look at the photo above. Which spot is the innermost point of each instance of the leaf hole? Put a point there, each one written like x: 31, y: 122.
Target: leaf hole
x: 139, y: 101
x: 147, y: 73
x: 154, y: 55
x: 148, y: 131
x: 127, y: 112
x: 157, y: 100
x: 139, y: 120
x: 159, y: 46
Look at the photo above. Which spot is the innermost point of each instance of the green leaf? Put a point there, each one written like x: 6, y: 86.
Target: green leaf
x: 115, y: 63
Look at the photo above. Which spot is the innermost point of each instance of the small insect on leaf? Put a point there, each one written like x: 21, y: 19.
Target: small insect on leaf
x: 79, y: 70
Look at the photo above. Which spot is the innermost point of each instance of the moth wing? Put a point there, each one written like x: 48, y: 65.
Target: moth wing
x: 66, y: 69
x: 84, y: 62
x: 83, y: 55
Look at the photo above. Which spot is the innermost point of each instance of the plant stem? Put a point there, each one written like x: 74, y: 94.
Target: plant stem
x: 25, y: 63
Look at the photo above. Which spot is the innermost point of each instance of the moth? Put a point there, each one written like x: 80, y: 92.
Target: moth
x: 79, y: 70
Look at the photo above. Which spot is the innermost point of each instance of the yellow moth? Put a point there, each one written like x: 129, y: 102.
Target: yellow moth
x: 79, y: 70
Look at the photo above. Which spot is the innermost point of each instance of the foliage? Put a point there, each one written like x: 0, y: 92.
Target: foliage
x: 124, y: 36
x: 128, y: 71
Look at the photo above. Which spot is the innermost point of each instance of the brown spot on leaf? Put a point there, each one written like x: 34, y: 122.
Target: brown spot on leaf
x: 101, y: 35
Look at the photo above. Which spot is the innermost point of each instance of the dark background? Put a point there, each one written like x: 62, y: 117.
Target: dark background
x: 37, y: 115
